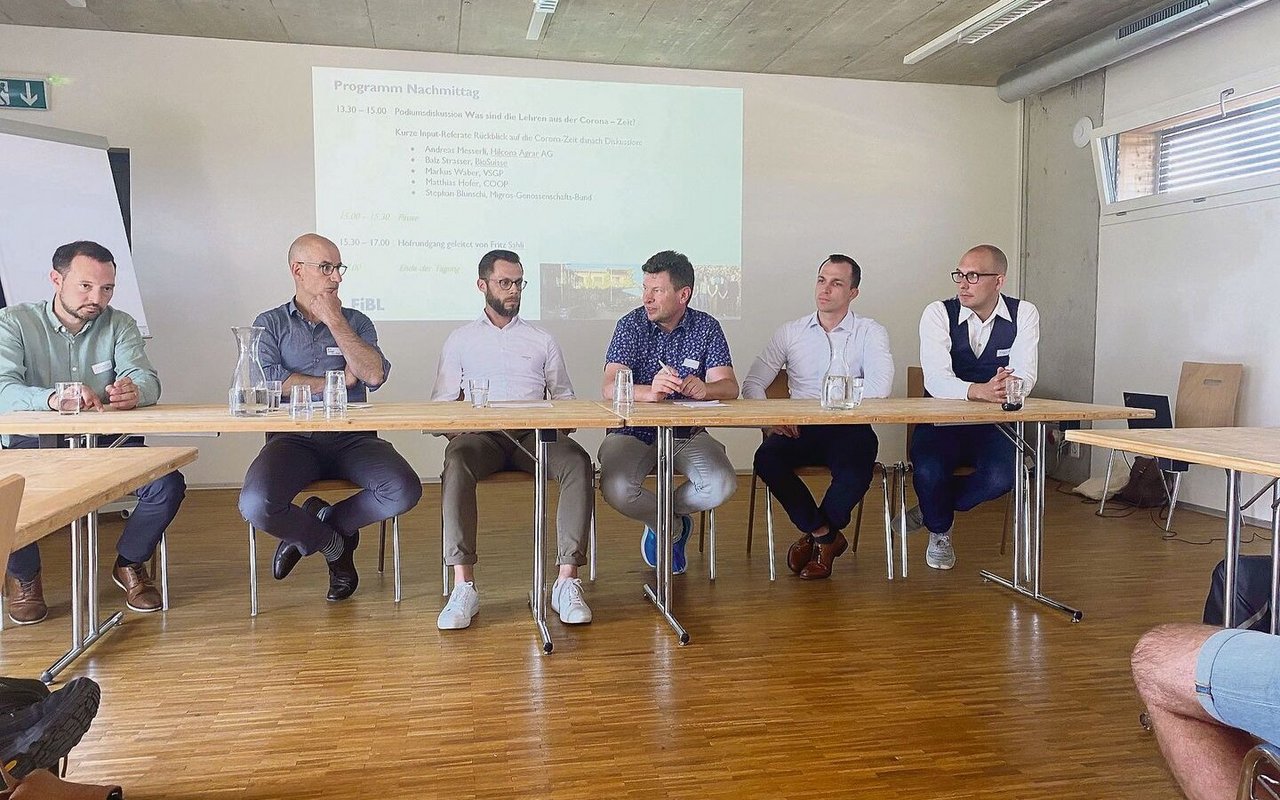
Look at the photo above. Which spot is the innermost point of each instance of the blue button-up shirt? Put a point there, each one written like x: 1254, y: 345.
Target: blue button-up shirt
x: 696, y: 345
x: 292, y: 344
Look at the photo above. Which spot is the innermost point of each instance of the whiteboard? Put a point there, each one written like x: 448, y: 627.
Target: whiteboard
x: 56, y: 187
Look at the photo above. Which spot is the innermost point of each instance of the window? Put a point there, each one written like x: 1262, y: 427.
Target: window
x: 1225, y: 147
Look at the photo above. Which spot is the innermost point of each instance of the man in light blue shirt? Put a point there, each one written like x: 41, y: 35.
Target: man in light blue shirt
x: 304, y: 338
x: 78, y: 337
x: 808, y: 348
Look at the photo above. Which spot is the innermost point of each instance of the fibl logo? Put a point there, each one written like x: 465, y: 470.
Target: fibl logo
x: 367, y: 304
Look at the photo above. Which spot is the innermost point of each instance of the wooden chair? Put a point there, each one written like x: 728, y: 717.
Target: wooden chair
x: 317, y: 487
x: 515, y: 476
x: 778, y: 390
x: 1207, y: 398
x: 1260, y: 774
x: 916, y: 388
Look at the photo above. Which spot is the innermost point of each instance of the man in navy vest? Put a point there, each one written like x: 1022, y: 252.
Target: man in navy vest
x: 970, y: 345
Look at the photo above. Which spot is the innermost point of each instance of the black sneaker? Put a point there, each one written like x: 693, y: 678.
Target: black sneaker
x: 42, y: 734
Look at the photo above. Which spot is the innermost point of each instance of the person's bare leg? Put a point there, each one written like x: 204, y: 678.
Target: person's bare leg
x: 463, y: 573
x: 1203, y: 754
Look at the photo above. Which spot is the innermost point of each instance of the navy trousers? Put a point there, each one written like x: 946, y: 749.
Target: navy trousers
x: 849, y: 451
x: 936, y: 452
x: 158, y: 504
x: 290, y: 461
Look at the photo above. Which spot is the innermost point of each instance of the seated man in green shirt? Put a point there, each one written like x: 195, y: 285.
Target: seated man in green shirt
x: 77, y: 336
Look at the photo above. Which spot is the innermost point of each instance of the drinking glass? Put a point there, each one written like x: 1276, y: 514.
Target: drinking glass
x: 68, y: 396
x: 624, y: 390
x: 1014, y: 393
x: 274, y: 390
x: 300, y: 402
x: 335, y: 393
x: 853, y: 397
x: 479, y: 392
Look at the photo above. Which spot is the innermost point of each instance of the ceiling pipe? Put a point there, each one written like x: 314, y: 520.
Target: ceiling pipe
x: 1137, y: 34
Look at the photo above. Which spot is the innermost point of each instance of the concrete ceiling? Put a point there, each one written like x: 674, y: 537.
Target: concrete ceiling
x: 832, y: 38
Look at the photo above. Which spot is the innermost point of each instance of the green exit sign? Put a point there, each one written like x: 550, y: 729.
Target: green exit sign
x: 26, y: 93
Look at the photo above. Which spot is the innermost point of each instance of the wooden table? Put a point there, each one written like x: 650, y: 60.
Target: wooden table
x: 446, y: 417
x: 1028, y: 500
x: 1236, y: 450
x: 62, y: 487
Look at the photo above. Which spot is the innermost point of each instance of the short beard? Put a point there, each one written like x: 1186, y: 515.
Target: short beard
x: 76, y: 312
x: 496, y: 304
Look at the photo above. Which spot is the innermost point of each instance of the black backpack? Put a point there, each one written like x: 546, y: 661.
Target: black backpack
x: 1146, y: 487
x: 1253, y: 594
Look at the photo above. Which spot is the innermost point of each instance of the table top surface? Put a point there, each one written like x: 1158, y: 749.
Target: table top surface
x: 64, y: 485
x: 442, y: 416
x: 1252, y: 450
x: 899, y: 410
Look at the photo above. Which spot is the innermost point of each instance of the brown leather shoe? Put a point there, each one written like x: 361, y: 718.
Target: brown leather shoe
x: 823, y: 556
x: 800, y: 553
x: 140, y: 593
x: 26, y: 599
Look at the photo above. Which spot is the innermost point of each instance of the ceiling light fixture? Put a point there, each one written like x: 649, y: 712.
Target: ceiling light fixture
x: 542, y: 9
x: 979, y: 26
x: 77, y: 3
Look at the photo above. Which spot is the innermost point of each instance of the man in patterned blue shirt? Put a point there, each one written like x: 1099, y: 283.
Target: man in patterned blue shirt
x: 674, y: 352
x: 304, y: 338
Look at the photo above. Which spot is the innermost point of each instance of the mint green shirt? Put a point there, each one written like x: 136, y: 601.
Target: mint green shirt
x: 37, y: 351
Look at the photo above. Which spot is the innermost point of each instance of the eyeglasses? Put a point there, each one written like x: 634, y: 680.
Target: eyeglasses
x: 507, y: 284
x: 325, y: 267
x: 971, y: 277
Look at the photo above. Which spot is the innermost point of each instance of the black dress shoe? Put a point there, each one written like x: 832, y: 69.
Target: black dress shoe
x: 343, y: 578
x: 287, y: 557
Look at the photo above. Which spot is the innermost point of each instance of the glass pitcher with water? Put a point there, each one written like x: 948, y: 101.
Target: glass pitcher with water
x: 840, y: 389
x: 248, y: 393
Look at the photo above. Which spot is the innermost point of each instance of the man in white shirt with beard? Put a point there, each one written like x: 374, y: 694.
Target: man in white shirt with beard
x: 521, y: 362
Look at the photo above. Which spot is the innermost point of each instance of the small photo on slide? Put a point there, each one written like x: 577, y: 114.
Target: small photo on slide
x: 608, y: 291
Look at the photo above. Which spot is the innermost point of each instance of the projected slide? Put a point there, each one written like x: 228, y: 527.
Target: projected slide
x: 418, y: 175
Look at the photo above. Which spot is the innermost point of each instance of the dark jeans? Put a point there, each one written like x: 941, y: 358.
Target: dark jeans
x: 290, y: 461
x: 936, y: 452
x: 849, y: 451
x: 158, y: 504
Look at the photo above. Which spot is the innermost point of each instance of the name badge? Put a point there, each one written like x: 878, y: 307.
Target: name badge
x: 101, y: 367
x: 691, y: 363
x: 1004, y: 353
x: 333, y: 351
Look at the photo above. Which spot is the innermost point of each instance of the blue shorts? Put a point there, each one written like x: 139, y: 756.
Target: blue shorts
x: 1238, y: 681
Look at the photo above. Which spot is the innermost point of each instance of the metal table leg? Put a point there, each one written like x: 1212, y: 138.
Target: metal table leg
x: 94, y: 629
x: 1275, y: 553
x: 1028, y: 522
x: 538, y: 592
x: 1233, y: 549
x: 660, y: 594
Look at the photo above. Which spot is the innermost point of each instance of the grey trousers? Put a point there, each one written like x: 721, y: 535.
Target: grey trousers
x: 625, y: 462
x: 471, y: 457
x: 290, y: 461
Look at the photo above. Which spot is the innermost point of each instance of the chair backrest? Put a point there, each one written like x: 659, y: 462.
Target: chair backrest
x: 1207, y: 394
x: 778, y: 388
x: 10, y: 501
x: 1158, y: 403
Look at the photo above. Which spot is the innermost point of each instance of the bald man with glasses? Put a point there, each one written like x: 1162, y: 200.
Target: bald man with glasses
x: 304, y: 338
x: 970, y: 346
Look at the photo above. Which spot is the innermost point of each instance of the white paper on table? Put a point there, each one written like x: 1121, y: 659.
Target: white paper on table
x: 697, y: 403
x: 521, y: 404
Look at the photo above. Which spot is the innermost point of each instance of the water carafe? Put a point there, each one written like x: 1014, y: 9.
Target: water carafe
x: 248, y: 393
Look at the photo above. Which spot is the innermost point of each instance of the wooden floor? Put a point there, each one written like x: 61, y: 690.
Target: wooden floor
x: 939, y: 686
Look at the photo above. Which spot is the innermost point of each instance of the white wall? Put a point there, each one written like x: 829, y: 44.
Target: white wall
x: 1200, y: 285
x: 904, y: 177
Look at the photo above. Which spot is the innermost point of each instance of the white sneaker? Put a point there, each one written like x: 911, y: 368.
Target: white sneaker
x: 568, y: 601
x: 939, y: 554
x: 915, y: 521
x: 464, y: 603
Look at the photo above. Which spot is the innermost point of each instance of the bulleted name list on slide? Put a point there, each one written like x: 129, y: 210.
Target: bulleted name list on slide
x: 418, y: 175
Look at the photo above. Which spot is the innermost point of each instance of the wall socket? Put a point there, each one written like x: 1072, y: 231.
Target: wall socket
x: 1073, y: 449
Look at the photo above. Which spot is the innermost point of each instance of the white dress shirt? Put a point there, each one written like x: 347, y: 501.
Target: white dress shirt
x: 935, y: 346
x: 521, y: 361
x: 805, y: 351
